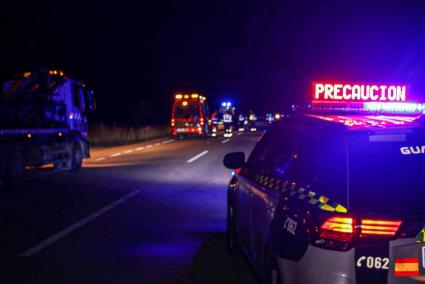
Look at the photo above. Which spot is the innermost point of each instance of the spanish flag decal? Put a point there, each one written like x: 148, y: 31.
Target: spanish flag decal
x: 406, y: 267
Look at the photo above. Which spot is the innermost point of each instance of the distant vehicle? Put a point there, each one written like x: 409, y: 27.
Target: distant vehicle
x: 228, y: 124
x: 227, y: 112
x: 242, y: 122
x: 43, y: 120
x: 335, y: 195
x: 190, y: 116
x: 256, y: 123
x: 271, y: 117
x: 217, y: 125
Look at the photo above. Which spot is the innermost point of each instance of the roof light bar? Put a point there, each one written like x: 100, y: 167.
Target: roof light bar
x: 394, y: 107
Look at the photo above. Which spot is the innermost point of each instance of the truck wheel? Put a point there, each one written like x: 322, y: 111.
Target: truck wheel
x: 14, y: 171
x: 76, y: 158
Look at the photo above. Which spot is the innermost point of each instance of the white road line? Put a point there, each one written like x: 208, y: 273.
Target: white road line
x: 49, y: 241
x: 225, y: 141
x: 167, y: 141
x: 128, y: 152
x: 197, y: 156
x: 100, y: 159
x: 157, y: 144
x: 140, y: 148
x: 116, y: 155
x: 149, y: 146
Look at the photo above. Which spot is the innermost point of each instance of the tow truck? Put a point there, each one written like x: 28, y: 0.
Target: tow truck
x: 43, y: 120
x: 335, y: 193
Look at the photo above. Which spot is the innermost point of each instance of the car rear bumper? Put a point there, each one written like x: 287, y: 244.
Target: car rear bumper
x: 327, y: 266
x: 319, y: 266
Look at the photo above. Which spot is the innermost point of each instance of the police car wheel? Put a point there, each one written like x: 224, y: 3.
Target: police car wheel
x: 76, y: 158
x: 272, y: 272
x: 230, y: 235
x: 14, y: 171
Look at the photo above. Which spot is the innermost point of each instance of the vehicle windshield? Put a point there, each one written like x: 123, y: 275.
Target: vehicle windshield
x: 15, y: 86
x: 385, y: 176
x: 186, y: 109
x: 18, y: 87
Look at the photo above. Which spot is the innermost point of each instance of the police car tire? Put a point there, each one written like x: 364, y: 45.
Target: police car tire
x: 76, y: 158
x: 14, y: 171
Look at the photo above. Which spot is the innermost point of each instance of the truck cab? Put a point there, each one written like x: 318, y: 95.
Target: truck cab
x: 43, y: 120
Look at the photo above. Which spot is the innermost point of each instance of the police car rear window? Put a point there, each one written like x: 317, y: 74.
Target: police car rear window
x: 386, y: 174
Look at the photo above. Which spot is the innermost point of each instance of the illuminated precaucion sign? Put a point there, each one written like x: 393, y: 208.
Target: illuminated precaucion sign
x: 359, y: 93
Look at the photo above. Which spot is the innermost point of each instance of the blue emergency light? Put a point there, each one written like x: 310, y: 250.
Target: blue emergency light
x: 226, y: 104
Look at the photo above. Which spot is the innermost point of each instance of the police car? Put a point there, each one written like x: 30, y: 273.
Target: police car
x: 335, y: 194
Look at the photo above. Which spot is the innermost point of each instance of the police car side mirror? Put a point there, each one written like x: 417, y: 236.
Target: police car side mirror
x: 234, y: 160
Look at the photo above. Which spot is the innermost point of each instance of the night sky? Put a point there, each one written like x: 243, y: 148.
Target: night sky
x: 263, y: 56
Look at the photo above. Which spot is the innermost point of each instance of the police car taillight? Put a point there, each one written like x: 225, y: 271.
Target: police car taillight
x: 374, y: 227
x: 338, y: 232
x: 339, y: 229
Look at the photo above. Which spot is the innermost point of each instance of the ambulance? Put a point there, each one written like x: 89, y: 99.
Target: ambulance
x: 189, y: 116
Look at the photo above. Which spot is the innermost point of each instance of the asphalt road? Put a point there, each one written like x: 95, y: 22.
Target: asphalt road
x: 152, y: 212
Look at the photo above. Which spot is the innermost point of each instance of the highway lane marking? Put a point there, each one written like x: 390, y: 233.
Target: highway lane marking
x: 137, y: 149
x: 56, y: 237
x: 197, y: 156
x: 167, y: 141
x: 225, y: 141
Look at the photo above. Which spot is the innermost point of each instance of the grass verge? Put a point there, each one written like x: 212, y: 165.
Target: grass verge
x: 104, y: 135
